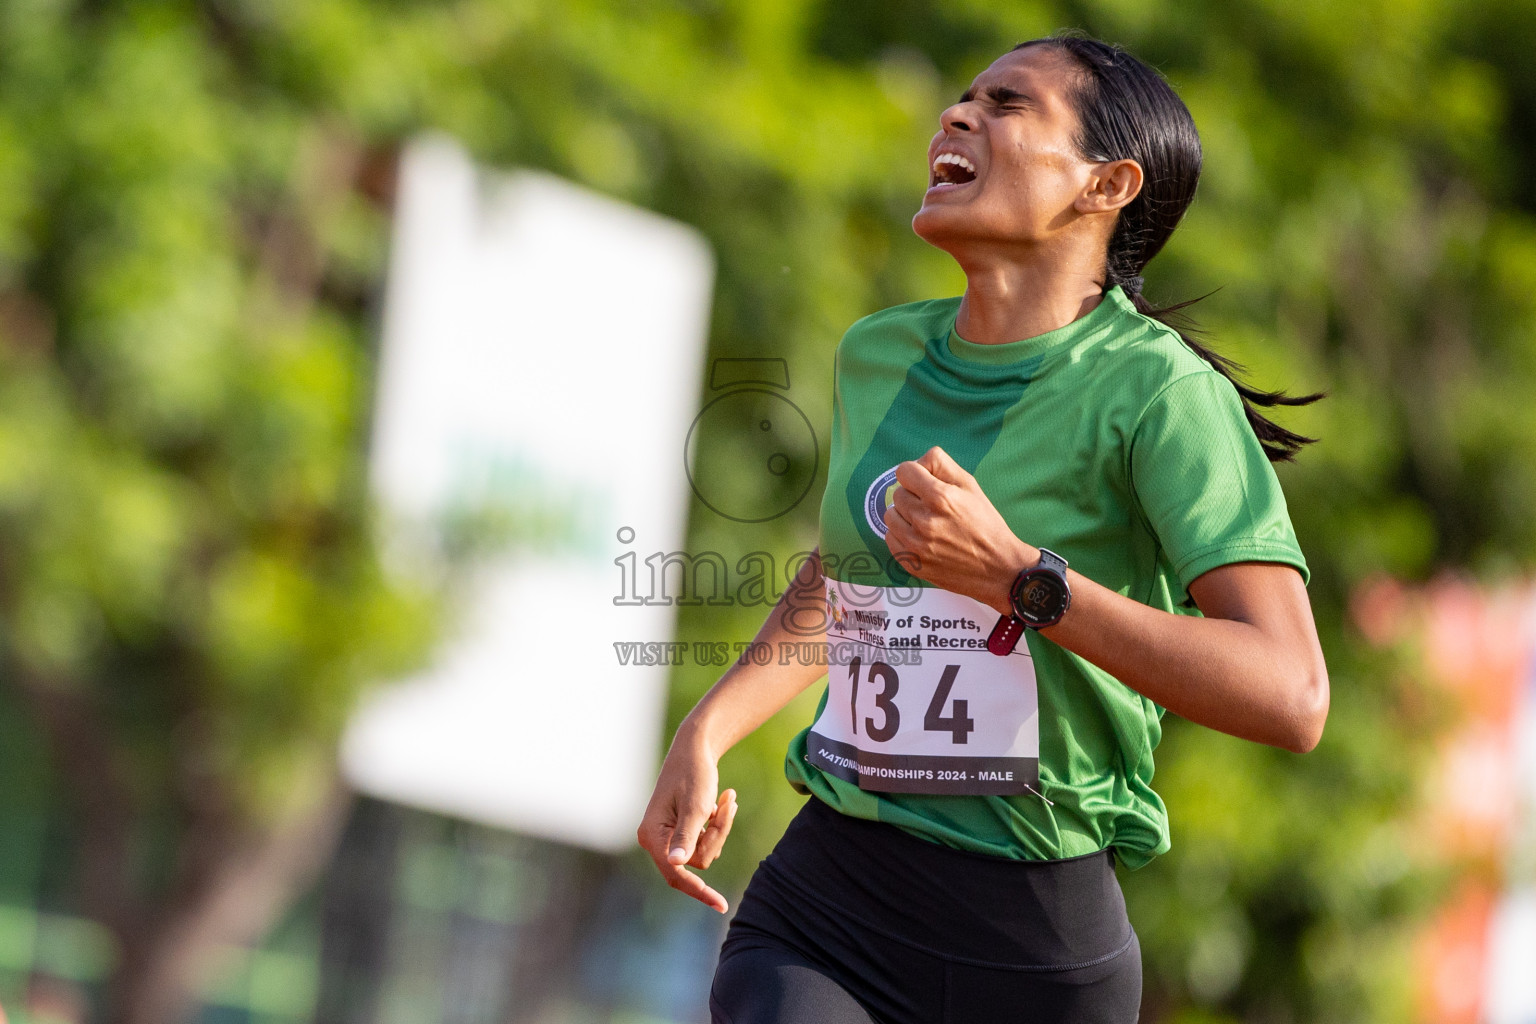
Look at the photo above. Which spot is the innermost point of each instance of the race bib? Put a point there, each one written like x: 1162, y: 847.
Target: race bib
x: 916, y: 703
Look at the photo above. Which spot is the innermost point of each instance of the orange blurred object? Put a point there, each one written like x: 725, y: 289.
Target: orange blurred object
x: 1478, y: 646
x: 1453, y: 958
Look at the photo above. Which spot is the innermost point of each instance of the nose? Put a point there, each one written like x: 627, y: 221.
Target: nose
x: 957, y: 118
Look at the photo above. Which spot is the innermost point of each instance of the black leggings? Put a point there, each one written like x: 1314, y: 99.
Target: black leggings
x: 857, y: 922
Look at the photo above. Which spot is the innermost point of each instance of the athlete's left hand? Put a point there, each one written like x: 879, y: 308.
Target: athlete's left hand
x: 943, y: 529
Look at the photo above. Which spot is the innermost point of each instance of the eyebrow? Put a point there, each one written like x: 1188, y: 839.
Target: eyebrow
x: 997, y: 93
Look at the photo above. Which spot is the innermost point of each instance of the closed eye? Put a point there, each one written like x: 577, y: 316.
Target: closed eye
x: 1000, y: 96
x: 1001, y: 99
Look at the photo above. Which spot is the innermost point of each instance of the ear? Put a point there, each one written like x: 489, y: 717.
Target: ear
x: 1110, y: 186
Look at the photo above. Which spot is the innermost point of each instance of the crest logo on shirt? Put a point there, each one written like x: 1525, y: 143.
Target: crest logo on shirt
x: 880, y: 496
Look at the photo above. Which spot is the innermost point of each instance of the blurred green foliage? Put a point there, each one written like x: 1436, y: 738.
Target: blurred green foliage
x: 193, y: 213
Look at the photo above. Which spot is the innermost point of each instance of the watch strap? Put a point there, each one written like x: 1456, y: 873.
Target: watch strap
x: 1051, y: 560
x: 1005, y: 635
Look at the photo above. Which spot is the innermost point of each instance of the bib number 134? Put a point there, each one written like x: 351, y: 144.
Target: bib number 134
x: 958, y: 723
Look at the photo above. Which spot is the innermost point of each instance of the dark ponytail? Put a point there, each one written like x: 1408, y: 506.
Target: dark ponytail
x: 1126, y: 110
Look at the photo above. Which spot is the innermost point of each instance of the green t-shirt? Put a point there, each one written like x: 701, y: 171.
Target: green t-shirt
x: 1107, y: 441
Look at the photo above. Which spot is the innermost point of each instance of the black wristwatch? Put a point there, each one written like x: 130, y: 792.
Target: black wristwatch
x: 1040, y: 597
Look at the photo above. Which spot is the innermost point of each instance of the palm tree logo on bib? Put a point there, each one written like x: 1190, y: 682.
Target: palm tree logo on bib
x: 833, y: 608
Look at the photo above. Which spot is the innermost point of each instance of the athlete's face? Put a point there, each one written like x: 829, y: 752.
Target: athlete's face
x: 1003, y: 166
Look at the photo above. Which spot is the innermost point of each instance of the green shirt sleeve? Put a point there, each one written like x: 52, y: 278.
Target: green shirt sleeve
x: 1204, y: 484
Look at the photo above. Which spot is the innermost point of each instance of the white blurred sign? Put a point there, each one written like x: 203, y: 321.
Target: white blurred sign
x: 542, y: 348
x: 1511, y: 987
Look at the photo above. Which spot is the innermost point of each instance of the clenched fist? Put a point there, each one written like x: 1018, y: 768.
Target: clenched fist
x: 943, y: 529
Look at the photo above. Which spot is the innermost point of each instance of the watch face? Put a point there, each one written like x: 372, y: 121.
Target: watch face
x: 1041, y: 598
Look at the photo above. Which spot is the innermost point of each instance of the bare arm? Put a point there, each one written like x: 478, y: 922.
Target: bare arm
x: 686, y: 822
x: 1252, y: 667
x: 748, y: 695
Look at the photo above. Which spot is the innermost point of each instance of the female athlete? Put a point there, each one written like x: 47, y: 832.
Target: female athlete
x: 1048, y: 517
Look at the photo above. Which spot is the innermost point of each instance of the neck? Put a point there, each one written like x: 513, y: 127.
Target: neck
x: 1010, y: 300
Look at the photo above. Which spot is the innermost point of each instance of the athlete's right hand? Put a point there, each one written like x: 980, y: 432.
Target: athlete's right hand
x: 685, y: 824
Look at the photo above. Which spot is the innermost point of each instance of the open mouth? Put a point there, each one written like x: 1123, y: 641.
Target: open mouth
x: 952, y: 169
